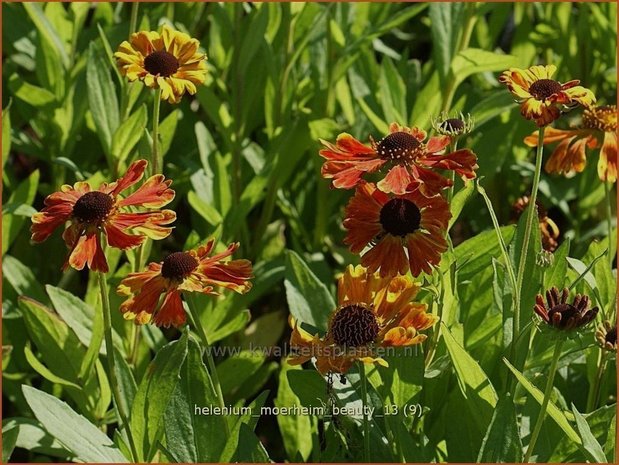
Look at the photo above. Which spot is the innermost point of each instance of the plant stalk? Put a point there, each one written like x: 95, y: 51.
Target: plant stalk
x: 594, y: 392
x: 366, y: 422
x: 109, y: 348
x: 609, y: 222
x: 155, y: 134
x: 197, y: 324
x: 547, y: 392
x: 133, y: 22
x: 531, y: 216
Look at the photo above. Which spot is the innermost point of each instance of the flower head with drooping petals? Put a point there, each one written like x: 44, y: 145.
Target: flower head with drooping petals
x: 393, y: 226
x: 106, y: 212
x: 408, y: 160
x: 192, y: 271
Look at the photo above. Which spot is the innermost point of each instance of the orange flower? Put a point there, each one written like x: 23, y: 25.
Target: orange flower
x: 390, y: 224
x: 541, y: 97
x: 192, y: 271
x: 408, y: 160
x: 105, y: 211
x: 373, y: 313
x: 599, y: 129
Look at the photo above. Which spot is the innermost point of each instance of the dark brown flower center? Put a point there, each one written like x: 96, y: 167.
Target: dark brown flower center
x: 93, y: 207
x: 178, y: 265
x: 161, y: 63
x: 400, y: 217
x: 603, y: 118
x: 611, y: 336
x: 354, y: 326
x: 453, y: 125
x: 544, y: 88
x: 398, y: 146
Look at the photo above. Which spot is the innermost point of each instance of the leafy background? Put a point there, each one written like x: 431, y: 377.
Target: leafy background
x: 243, y: 157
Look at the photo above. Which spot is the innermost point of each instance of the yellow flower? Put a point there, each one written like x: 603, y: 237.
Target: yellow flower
x: 541, y: 97
x: 169, y: 61
x: 373, y: 313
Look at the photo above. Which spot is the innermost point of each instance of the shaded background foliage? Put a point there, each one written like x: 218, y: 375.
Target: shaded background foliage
x: 243, y: 157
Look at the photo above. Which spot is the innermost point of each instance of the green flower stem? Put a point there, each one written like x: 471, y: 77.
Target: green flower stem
x: 465, y: 38
x: 197, y: 324
x: 609, y: 222
x: 155, y: 134
x: 135, y: 343
x: 502, y: 245
x: 594, y: 392
x: 547, y: 392
x: 109, y: 348
x: 133, y: 22
x: 431, y: 350
x: 531, y: 214
x: 366, y: 422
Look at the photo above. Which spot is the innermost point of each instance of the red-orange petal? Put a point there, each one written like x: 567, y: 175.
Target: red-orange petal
x: 133, y: 174
x: 154, y: 193
x: 171, y: 312
x: 88, y: 251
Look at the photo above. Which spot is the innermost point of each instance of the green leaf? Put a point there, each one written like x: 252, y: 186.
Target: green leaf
x: 393, y: 92
x: 532, y: 271
x: 253, y: 38
x: 59, y: 348
x: 9, y: 439
x: 204, y: 209
x: 153, y: 397
x: 185, y: 429
x: 295, y: 429
x: 557, y: 273
x: 459, y: 201
x: 474, y: 60
x: 475, y: 253
x: 32, y: 437
x: 590, y: 447
x: 127, y: 386
x: 491, y: 106
x: 76, y: 313
x: 102, y: 99
x: 250, y: 449
x: 12, y: 220
x: 502, y: 440
x: 6, y: 134
x: 445, y: 21
x: 309, y: 386
x: 29, y: 93
x: 41, y: 369
x: 22, y: 278
x: 46, y: 30
x: 402, y: 381
x: 128, y: 134
x: 167, y: 129
x: 85, y: 440
x: 237, y: 369
x: 556, y: 414
x: 308, y: 298
x: 474, y: 383
x: 232, y: 445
